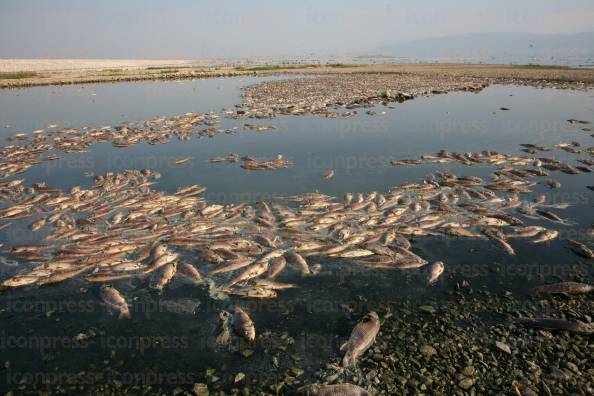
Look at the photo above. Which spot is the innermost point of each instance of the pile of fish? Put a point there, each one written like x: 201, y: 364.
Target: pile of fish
x: 251, y: 163
x: 259, y: 128
x: 34, y: 149
x: 512, y: 169
x: 121, y: 229
x: 279, y: 162
x: 320, y: 94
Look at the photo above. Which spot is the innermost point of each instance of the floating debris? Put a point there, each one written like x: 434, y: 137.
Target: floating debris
x: 180, y: 161
x: 259, y: 128
x: 329, y: 174
x: 277, y: 163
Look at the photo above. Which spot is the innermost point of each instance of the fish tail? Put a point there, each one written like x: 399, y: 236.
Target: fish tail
x: 348, y: 360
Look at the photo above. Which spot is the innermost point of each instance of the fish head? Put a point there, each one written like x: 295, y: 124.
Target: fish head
x: 371, y: 317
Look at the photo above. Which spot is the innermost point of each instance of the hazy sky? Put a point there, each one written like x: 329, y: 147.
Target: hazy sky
x: 239, y: 28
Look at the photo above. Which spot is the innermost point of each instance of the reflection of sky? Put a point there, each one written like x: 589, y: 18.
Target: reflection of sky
x: 358, y: 149
x: 198, y: 29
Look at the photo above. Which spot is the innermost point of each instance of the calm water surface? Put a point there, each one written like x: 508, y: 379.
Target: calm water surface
x: 166, y: 335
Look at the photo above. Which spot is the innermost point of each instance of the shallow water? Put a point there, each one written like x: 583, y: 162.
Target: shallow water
x: 173, y: 333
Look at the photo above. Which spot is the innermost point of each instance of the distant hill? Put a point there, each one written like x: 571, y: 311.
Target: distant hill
x: 502, y: 47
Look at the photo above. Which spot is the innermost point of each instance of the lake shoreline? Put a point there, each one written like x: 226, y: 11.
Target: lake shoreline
x: 66, y: 74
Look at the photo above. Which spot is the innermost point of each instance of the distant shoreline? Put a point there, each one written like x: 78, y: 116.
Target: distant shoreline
x: 22, y: 73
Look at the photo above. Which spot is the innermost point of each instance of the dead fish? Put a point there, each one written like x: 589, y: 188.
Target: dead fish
x: 243, y: 324
x: 20, y: 281
x: 329, y: 174
x: 102, y: 277
x: 164, y: 276
x: 435, y: 271
x: 61, y: 276
x: 504, y: 245
x: 580, y: 249
x: 354, y: 253
x: 549, y: 215
x: 277, y: 265
x: 251, y: 292
x: 557, y: 324
x: 565, y: 288
x: 362, y: 337
x: 297, y: 261
x: 158, y: 251
x: 233, y: 265
x: 545, y: 236
x: 252, y: 271
x: 161, y: 261
x: 37, y: 225
x: 332, y: 390
x: 180, y: 161
x: 190, y: 272
x: 115, y: 301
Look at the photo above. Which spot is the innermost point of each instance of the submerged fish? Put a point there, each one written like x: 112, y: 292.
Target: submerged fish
x: 243, y: 324
x: 580, y: 249
x: 362, y: 337
x: 190, y: 272
x: 115, y: 301
x: 164, y: 276
x: 297, y: 261
x: 435, y: 271
x: 277, y: 265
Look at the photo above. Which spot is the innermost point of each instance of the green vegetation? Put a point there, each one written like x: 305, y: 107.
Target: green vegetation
x: 271, y: 67
x: 289, y: 67
x: 112, y: 72
x: 537, y: 66
x: 17, y: 75
x: 169, y: 68
x: 339, y: 65
x: 160, y: 67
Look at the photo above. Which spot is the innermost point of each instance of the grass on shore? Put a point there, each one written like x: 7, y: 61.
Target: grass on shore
x: 162, y: 67
x: 289, y: 67
x: 17, y: 75
x: 538, y: 66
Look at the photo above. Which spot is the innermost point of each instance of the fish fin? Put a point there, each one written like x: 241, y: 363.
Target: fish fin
x: 343, y: 346
x: 124, y: 315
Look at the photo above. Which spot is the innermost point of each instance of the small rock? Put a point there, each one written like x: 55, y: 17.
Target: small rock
x: 200, y: 389
x: 469, y: 371
x: 239, y: 377
x: 428, y: 350
x: 503, y: 347
x: 466, y: 383
x: 427, y: 309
